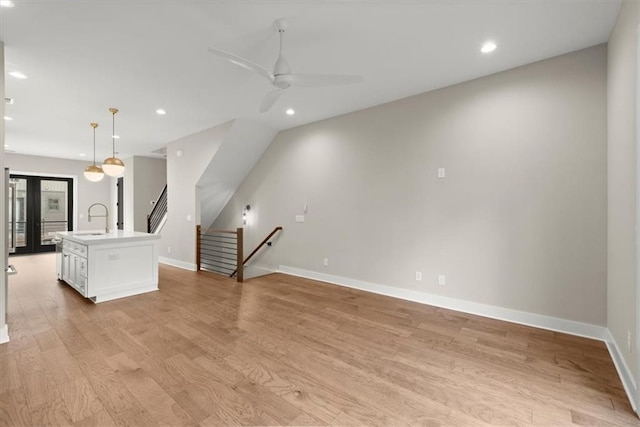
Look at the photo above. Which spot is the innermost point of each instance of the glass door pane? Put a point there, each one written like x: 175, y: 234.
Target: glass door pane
x: 21, y: 212
x: 54, y: 215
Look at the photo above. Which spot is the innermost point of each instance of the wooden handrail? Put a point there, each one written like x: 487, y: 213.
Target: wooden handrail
x: 264, y: 242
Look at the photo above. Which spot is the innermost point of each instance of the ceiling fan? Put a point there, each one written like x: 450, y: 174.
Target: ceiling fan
x: 281, y: 77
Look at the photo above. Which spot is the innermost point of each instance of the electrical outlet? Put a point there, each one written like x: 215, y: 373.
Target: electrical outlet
x: 629, y: 341
x: 325, y: 262
x: 442, y: 280
x: 418, y: 275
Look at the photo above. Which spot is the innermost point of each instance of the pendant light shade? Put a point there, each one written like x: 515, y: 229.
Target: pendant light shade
x: 113, y: 166
x: 94, y: 173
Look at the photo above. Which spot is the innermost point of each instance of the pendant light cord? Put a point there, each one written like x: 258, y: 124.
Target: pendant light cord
x: 94, y: 146
x: 113, y: 133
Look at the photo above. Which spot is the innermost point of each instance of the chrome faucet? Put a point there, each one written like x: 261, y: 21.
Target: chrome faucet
x: 106, y: 216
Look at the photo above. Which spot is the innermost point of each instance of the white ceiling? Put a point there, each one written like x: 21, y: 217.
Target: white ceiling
x: 84, y: 56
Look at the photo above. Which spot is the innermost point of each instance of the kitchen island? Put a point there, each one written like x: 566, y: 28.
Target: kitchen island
x: 105, y: 266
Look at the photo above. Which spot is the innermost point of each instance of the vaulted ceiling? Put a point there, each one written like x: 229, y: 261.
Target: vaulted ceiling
x: 83, y: 56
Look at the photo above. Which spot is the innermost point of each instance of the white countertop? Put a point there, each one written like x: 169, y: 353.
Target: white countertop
x: 91, y: 237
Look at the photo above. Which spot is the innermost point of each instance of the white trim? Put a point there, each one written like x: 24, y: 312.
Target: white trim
x: 636, y: 401
x: 530, y: 319
x: 4, y: 334
x: 177, y: 263
x: 525, y: 318
x: 628, y: 382
x: 571, y: 327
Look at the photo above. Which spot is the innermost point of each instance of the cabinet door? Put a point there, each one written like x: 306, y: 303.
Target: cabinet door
x: 66, y: 266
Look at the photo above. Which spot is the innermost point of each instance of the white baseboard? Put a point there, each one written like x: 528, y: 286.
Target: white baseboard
x: 628, y: 382
x: 571, y: 327
x: 177, y: 263
x: 524, y: 318
x: 4, y: 334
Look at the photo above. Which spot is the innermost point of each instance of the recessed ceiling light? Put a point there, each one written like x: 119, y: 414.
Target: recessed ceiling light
x: 7, y: 118
x: 81, y: 154
x: 6, y: 3
x: 17, y: 75
x: 290, y: 112
x: 488, y: 47
x: 160, y: 112
x: 116, y: 137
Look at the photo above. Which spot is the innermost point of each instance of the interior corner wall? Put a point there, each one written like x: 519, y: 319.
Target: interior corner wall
x: 187, y: 158
x: 148, y: 182
x: 87, y: 192
x: 128, y: 196
x: 518, y: 222
x: 622, y: 215
x: 4, y: 336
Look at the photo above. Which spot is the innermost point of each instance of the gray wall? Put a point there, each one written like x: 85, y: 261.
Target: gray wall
x: 88, y: 192
x: 621, y: 84
x: 144, y: 179
x: 183, y: 172
x: 519, y: 221
x: 150, y: 179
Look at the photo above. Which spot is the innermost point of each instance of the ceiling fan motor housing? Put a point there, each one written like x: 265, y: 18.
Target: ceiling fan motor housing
x: 282, y: 81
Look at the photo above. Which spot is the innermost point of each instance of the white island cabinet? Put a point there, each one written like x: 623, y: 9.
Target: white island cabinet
x: 105, y: 266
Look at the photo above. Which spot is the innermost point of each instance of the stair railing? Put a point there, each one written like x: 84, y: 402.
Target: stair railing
x: 255, y: 251
x: 220, y: 251
x: 155, y: 218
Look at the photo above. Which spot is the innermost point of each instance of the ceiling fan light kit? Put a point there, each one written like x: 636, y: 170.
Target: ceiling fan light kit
x: 281, y: 77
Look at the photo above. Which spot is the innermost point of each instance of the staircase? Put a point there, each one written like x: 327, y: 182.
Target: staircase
x: 158, y: 215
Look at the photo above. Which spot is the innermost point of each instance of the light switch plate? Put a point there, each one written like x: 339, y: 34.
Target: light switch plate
x: 299, y: 218
x: 441, y: 173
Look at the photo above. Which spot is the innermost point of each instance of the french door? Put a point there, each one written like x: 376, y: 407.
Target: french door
x: 43, y: 206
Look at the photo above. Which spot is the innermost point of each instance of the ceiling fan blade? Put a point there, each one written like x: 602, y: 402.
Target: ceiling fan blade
x: 270, y: 99
x: 321, y: 80
x: 244, y: 63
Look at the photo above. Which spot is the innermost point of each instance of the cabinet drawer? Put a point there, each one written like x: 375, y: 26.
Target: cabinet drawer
x: 74, y: 247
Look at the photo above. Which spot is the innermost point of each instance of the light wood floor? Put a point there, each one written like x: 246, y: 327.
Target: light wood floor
x: 285, y: 351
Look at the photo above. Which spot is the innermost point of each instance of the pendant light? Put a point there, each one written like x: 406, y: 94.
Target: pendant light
x: 113, y: 166
x: 94, y: 173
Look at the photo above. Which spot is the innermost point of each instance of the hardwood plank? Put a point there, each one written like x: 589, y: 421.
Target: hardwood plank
x: 109, y: 389
x: 14, y: 410
x: 9, y: 375
x: 152, y: 397
x: 62, y: 366
x: 281, y: 350
x: 52, y: 413
x: 80, y: 399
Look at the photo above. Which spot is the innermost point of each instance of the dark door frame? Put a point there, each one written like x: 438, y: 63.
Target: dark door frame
x: 120, y: 204
x: 34, y: 229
